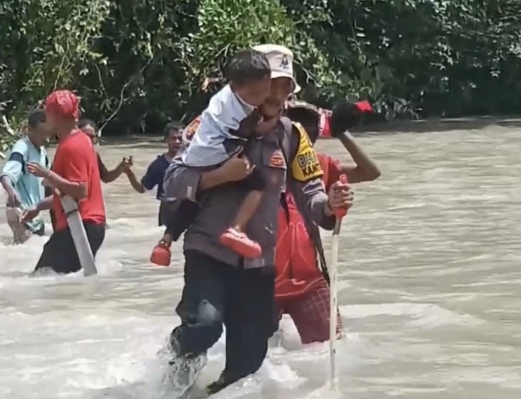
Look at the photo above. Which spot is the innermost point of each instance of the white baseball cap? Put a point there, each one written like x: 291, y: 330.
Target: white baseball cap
x: 281, y: 62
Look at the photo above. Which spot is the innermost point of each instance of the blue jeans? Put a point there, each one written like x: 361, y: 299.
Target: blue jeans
x: 217, y: 294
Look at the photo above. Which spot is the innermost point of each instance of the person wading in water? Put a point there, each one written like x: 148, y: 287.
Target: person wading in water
x: 302, y: 286
x: 155, y: 173
x: 24, y: 189
x: 107, y: 176
x: 74, y: 173
x: 221, y: 287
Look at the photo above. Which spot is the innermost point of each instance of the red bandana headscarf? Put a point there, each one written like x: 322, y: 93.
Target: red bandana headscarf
x: 63, y: 104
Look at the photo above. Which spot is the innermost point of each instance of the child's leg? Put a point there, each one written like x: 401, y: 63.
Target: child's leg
x: 167, y: 239
x: 177, y: 218
x: 167, y: 218
x: 161, y: 253
x: 234, y: 237
x: 247, y: 210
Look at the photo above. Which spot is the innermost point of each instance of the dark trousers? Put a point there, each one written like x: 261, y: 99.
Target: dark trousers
x: 59, y: 253
x: 216, y: 293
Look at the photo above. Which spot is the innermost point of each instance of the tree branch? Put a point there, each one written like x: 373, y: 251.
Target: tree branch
x: 122, y: 92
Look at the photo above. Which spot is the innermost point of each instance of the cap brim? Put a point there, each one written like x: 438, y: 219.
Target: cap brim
x: 296, y: 87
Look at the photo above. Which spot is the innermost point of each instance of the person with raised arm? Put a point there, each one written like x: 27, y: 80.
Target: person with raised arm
x: 302, y: 283
x: 221, y: 286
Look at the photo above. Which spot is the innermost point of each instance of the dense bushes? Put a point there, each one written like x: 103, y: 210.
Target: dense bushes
x: 138, y: 63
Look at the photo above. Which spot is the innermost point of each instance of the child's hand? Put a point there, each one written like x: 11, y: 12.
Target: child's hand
x: 249, y: 124
x: 267, y: 125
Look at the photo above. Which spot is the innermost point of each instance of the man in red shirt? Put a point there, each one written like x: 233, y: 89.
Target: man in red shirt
x: 75, y: 173
x: 301, y: 287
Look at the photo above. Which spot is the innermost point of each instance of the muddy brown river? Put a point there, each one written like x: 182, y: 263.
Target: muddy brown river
x: 430, y: 288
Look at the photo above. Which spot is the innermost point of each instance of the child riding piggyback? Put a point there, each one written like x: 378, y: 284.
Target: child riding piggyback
x: 226, y: 124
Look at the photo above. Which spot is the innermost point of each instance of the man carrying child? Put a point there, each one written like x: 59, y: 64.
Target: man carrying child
x: 222, y: 285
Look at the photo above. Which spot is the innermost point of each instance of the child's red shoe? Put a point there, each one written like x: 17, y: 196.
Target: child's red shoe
x: 240, y: 243
x: 161, y: 255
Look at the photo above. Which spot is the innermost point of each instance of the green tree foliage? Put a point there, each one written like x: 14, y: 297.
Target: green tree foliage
x: 137, y: 64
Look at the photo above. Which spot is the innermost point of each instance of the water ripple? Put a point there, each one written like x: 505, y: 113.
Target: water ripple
x: 429, y: 289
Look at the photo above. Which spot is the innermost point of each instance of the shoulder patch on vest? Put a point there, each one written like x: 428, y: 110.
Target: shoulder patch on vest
x: 305, y: 165
x: 189, y: 131
x: 277, y: 160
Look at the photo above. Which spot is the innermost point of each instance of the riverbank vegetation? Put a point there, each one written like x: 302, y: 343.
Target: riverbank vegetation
x: 137, y: 64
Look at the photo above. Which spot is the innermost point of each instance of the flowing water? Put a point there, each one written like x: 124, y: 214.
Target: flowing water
x: 429, y: 288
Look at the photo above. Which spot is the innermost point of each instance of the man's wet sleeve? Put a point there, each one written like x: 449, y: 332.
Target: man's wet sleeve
x: 305, y: 181
x: 181, y: 182
x: 312, y: 197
